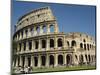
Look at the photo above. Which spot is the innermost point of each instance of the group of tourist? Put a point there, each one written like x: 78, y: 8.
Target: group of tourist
x: 25, y: 69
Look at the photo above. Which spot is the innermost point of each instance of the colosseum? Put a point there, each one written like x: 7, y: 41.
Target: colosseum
x: 39, y: 43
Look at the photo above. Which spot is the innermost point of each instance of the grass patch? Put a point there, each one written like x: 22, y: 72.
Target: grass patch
x: 56, y: 69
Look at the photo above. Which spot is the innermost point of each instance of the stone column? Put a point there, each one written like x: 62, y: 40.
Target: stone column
x: 47, y: 60
x: 41, y: 29
x: 84, y: 59
x: 20, y: 61
x: 16, y: 61
x: 29, y: 33
x: 32, y: 61
x: 39, y: 61
x: 39, y: 47
x: 35, y: 32
x: 33, y: 45
x: 55, y: 60
x: 17, y: 47
x: 55, y: 42
x: 20, y: 35
x: 26, y: 61
x: 64, y: 59
x: 27, y: 48
x: 56, y: 27
x: 64, y: 43
x: 47, y: 44
x: 23, y: 33
x: 48, y: 28
x: 22, y: 47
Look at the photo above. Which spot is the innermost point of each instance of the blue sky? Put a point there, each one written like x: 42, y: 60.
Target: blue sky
x: 70, y: 18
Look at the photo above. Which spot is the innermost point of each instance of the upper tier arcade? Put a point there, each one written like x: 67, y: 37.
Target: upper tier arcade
x: 36, y: 17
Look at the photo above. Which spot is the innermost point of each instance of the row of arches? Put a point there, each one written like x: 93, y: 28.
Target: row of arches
x: 43, y: 44
x: 60, y: 60
x: 34, y: 31
x: 86, y: 46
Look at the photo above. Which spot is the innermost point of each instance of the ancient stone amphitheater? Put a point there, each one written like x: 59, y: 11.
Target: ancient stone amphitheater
x: 40, y: 44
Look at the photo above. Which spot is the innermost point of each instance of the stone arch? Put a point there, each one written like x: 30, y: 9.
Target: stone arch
x: 73, y: 43
x: 30, y: 45
x: 43, y: 60
x: 22, y: 33
x: 69, y: 59
x: 36, y: 44
x: 35, y: 61
x: 44, y: 29
x: 51, y: 62
x: 81, y: 58
x: 86, y: 57
x: 38, y: 29
x: 20, y: 46
x: 15, y: 61
x: 81, y: 45
x: 26, y: 32
x: 51, y: 28
x: 24, y: 46
x: 43, y: 43
x: 51, y: 43
x: 84, y: 46
x: 59, y: 42
x: 23, y: 61
x: 31, y: 30
x: 84, y: 40
x: 60, y: 59
x: 88, y: 46
x: 68, y: 43
x: 29, y: 60
x: 89, y: 58
x: 76, y: 57
x: 18, y: 60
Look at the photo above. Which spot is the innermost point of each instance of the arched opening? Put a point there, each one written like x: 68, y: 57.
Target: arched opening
x: 23, y: 61
x: 68, y: 43
x: 22, y: 34
x: 44, y: 29
x: 35, y: 61
x: 51, y: 28
x: 31, y: 31
x: 59, y: 42
x: 81, y: 59
x: 51, y: 43
x: 43, y: 43
x: 76, y: 57
x: 18, y: 35
x: 19, y: 46
x: 24, y: 46
x: 29, y: 60
x: 81, y: 45
x: 38, y: 30
x: 86, y: 57
x: 15, y: 61
x: 88, y: 46
x: 84, y: 40
x: 26, y: 32
x: 73, y: 43
x: 30, y: 45
x: 18, y: 61
x: 36, y: 44
x: 43, y: 60
x: 51, y: 57
x: 89, y: 58
x: 60, y: 59
x: 69, y: 59
x: 84, y: 46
